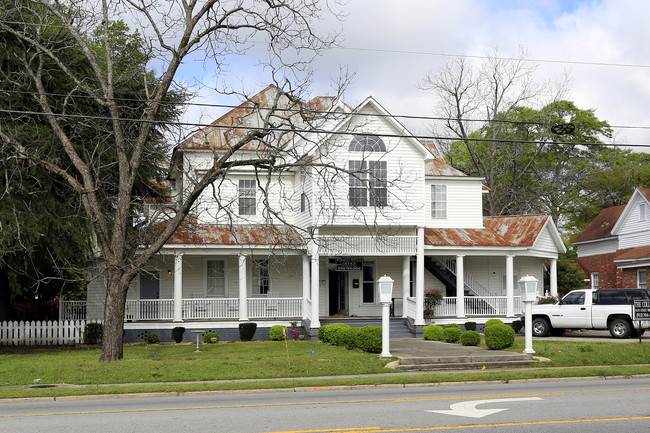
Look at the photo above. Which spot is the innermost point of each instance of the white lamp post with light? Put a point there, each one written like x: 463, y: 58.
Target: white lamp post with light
x: 528, y: 286
x: 385, y: 298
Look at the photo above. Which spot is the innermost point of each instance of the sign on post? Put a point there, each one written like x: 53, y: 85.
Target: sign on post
x: 641, y: 311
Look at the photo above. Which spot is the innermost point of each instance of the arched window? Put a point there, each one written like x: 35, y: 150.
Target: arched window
x: 367, y: 143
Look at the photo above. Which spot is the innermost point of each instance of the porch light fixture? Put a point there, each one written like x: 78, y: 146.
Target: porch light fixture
x: 528, y: 286
x: 169, y: 273
x: 385, y: 298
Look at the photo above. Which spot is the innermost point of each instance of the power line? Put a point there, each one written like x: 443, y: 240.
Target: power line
x: 298, y: 111
x: 314, y: 131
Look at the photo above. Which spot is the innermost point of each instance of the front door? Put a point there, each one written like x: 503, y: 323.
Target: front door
x: 338, y: 292
x: 149, y: 289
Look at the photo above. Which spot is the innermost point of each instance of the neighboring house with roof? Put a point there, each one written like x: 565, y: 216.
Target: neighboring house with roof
x: 614, y: 249
x: 311, y: 242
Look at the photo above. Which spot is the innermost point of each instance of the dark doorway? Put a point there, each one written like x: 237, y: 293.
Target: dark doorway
x: 338, y: 293
x: 149, y: 289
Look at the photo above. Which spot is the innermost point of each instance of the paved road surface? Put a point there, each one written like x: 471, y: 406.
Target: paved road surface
x: 563, y: 406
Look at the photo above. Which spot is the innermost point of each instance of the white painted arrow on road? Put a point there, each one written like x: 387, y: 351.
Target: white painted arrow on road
x: 468, y: 408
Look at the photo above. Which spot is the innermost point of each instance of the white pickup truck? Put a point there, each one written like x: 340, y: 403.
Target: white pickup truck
x: 590, y: 309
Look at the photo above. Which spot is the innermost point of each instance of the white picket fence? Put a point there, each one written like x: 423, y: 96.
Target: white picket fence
x: 42, y: 333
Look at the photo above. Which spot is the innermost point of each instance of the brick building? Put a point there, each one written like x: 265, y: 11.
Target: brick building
x: 614, y: 249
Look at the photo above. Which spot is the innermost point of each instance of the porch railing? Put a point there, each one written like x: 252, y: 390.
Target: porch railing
x: 72, y: 310
x: 366, y: 245
x: 211, y: 308
x: 149, y: 309
x: 274, y: 307
x: 474, y: 306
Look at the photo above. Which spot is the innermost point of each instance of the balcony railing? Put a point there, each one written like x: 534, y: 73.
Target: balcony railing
x: 366, y: 245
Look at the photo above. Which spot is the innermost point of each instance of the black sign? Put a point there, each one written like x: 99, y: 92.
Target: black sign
x: 348, y: 264
x: 641, y: 309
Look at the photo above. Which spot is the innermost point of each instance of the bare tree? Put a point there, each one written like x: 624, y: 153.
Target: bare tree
x: 171, y: 32
x: 478, y: 103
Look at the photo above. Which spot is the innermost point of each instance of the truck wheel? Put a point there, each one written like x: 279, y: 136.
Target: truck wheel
x: 541, y: 327
x: 620, y: 328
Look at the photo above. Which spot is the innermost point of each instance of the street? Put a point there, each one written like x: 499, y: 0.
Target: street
x: 558, y: 406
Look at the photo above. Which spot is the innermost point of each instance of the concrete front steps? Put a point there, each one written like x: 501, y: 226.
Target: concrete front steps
x: 419, y: 354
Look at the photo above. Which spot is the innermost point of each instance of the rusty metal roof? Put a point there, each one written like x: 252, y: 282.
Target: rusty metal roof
x: 234, y: 235
x: 502, y: 231
x: 645, y: 192
x: 601, y: 227
x: 438, y: 167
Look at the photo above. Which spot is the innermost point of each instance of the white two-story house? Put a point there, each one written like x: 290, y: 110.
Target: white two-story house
x: 360, y: 198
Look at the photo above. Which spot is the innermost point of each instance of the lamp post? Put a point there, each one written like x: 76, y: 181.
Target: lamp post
x: 385, y: 298
x: 528, y: 286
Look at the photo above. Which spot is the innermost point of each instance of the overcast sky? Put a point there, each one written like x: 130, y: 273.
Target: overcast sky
x: 391, y: 45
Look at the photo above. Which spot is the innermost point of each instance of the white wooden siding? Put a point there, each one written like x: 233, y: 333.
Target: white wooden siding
x: 597, y: 247
x: 464, y: 203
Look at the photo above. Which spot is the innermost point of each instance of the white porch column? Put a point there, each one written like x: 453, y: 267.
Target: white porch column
x: 178, y: 287
x: 460, y: 287
x: 510, y: 287
x: 406, y: 281
x: 553, y: 273
x: 419, y: 280
x: 243, y: 298
x: 315, y: 288
x: 305, y: 285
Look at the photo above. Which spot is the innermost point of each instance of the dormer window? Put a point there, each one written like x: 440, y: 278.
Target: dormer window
x: 368, y: 177
x: 642, y: 212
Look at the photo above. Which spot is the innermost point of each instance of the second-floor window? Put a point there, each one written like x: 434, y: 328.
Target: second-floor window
x: 368, y: 183
x: 247, y: 197
x: 439, y: 201
x: 642, y: 212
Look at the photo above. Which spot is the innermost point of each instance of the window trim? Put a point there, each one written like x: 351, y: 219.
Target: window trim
x: 247, y: 190
x: 368, y: 183
x: 595, y: 276
x: 643, y: 212
x: 439, y: 195
x: 638, y: 278
x: 205, y: 277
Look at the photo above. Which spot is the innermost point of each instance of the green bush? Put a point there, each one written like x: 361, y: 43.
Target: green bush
x: 177, y: 334
x: 209, y: 335
x: 470, y: 326
x: 276, y: 334
x: 432, y: 332
x: 326, y: 332
x: 152, y: 338
x: 452, y: 325
x: 451, y: 334
x: 470, y: 338
x: 338, y: 334
x: 493, y: 322
x: 247, y: 331
x: 350, y: 337
x: 93, y: 333
x: 517, y: 325
x: 499, y: 336
x: 369, y: 339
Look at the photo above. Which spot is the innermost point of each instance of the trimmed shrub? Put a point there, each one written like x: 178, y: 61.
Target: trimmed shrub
x: 152, y: 338
x: 499, y: 336
x: 432, y: 332
x: 451, y: 334
x: 207, y: 337
x: 470, y: 338
x: 517, y: 325
x: 93, y: 333
x: 247, y: 331
x: 177, y: 334
x: 325, y: 332
x: 470, y: 326
x: 493, y: 322
x: 275, y: 333
x: 369, y: 339
x: 338, y: 334
x: 452, y: 325
x: 350, y: 337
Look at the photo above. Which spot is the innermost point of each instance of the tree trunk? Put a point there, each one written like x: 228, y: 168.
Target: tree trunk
x: 112, y: 338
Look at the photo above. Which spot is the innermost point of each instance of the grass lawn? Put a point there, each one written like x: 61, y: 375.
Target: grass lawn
x: 21, y: 366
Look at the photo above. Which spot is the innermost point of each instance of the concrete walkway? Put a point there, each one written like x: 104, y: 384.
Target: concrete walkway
x: 420, y: 354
